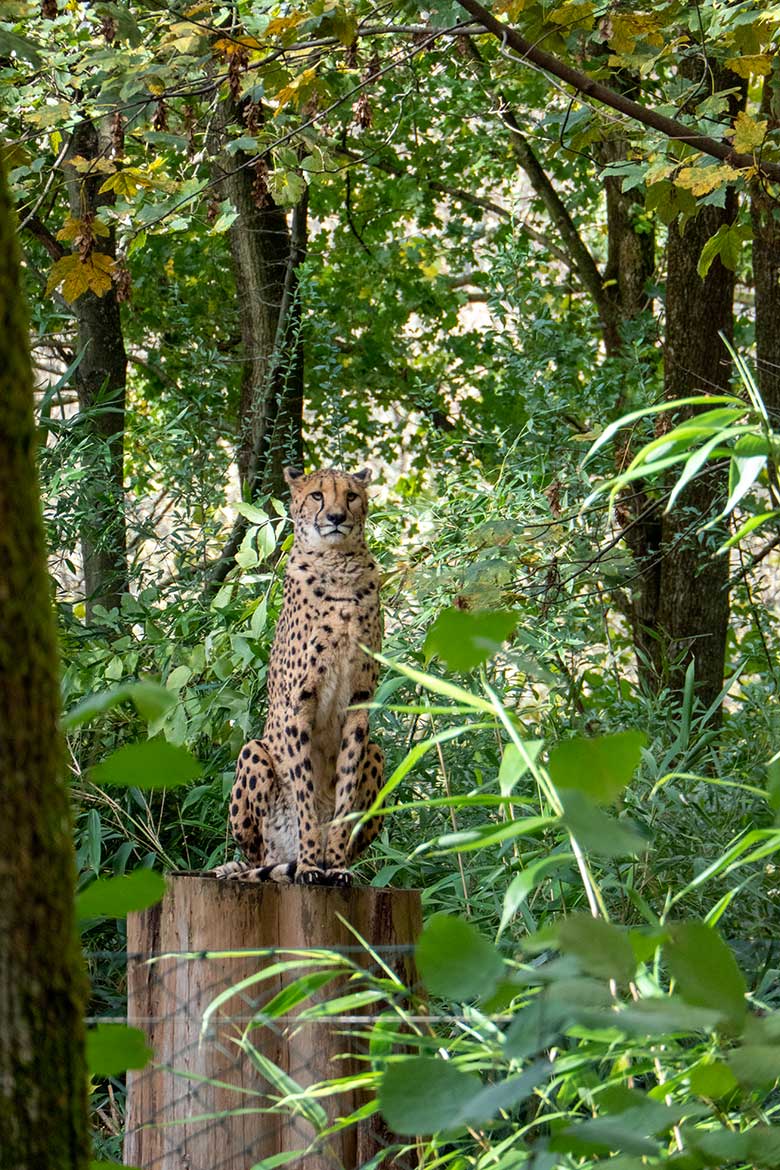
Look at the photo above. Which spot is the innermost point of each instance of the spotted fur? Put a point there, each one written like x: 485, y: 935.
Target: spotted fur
x: 315, y: 763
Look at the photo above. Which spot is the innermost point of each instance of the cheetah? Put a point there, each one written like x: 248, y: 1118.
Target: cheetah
x: 315, y: 763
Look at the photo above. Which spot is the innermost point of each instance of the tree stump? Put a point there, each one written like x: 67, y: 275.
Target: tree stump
x: 203, y: 1103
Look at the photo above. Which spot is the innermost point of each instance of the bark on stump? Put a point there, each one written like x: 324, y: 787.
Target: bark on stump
x: 172, y: 1104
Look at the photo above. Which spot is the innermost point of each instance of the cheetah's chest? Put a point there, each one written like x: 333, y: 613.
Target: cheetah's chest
x: 336, y: 685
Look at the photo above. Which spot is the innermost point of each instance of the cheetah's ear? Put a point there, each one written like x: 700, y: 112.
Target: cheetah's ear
x: 291, y: 474
x: 364, y: 476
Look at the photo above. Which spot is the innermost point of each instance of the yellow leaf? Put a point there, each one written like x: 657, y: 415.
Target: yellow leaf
x: 626, y: 28
x: 658, y: 172
x: 231, y: 45
x: 702, y: 180
x: 183, y: 36
x: 298, y: 89
x: 93, y: 165
x: 747, y: 133
x: 747, y: 65
x: 284, y: 24
x: 73, y: 228
x: 126, y: 182
x: 77, y: 275
x: 512, y: 8
x: 573, y: 12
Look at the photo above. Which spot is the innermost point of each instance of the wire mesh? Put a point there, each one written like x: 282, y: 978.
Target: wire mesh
x: 241, y: 1034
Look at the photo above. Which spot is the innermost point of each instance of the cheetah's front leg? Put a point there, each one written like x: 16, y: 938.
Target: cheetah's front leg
x: 350, y: 767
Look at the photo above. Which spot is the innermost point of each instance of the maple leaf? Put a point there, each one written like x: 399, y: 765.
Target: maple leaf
x: 78, y: 275
x: 759, y: 64
x: 126, y: 182
x: 626, y: 28
x: 702, y: 180
x: 73, y: 228
x: 747, y: 133
x: 93, y: 165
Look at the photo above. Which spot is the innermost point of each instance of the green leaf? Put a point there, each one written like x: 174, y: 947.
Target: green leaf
x: 665, y: 1014
x: 523, y: 883
x: 726, y: 244
x: 705, y: 970
x: 515, y: 763
x: 631, y: 1130
x: 294, y: 993
x: 421, y: 1095
x: 151, y: 700
x: 152, y: 764
x: 773, y: 783
x: 504, y: 1094
x: 464, y: 639
x: 13, y: 45
x: 595, y: 831
x: 602, y: 949
x: 114, y: 1048
x: 252, y: 513
x: 755, y: 1065
x: 115, y: 897
x: 744, y: 470
x: 600, y: 768
x: 712, y: 1080
x: 455, y: 961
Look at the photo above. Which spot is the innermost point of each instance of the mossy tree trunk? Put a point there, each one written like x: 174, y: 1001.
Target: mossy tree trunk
x: 43, y: 1109
x: 100, y: 381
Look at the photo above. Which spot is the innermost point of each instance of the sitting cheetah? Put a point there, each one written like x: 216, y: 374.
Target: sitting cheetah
x: 315, y: 763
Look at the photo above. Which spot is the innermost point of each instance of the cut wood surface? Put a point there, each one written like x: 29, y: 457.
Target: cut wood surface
x: 201, y: 1104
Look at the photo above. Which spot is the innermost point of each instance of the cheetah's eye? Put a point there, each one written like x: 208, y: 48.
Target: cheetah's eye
x: 316, y: 495
x: 351, y: 496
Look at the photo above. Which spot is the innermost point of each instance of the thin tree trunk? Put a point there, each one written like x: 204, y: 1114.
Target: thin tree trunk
x: 100, y: 381
x: 270, y: 410
x: 267, y: 255
x: 43, y: 1107
x: 766, y: 279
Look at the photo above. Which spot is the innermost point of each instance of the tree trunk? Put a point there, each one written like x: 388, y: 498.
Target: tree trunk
x: 766, y: 279
x: 266, y: 258
x: 693, y: 599
x: 681, y: 601
x: 43, y: 1108
x: 100, y: 381
x: 205, y: 1101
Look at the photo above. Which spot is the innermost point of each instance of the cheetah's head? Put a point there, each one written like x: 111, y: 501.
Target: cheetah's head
x: 328, y: 507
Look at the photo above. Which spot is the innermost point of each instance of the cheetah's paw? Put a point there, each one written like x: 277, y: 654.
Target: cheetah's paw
x: 310, y: 875
x: 338, y: 877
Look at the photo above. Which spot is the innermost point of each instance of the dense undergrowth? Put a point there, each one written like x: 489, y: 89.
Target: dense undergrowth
x: 486, y: 834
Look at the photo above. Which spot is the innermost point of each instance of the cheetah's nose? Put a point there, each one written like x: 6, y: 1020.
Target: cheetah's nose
x: 336, y: 517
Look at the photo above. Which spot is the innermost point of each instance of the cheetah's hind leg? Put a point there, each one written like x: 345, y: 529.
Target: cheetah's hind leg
x: 249, y: 803
x: 371, y: 782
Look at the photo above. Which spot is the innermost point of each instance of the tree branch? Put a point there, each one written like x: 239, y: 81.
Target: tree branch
x: 670, y: 127
x: 463, y: 197
x: 37, y: 228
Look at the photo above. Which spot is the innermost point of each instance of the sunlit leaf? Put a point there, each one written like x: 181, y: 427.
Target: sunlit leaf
x: 154, y: 763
